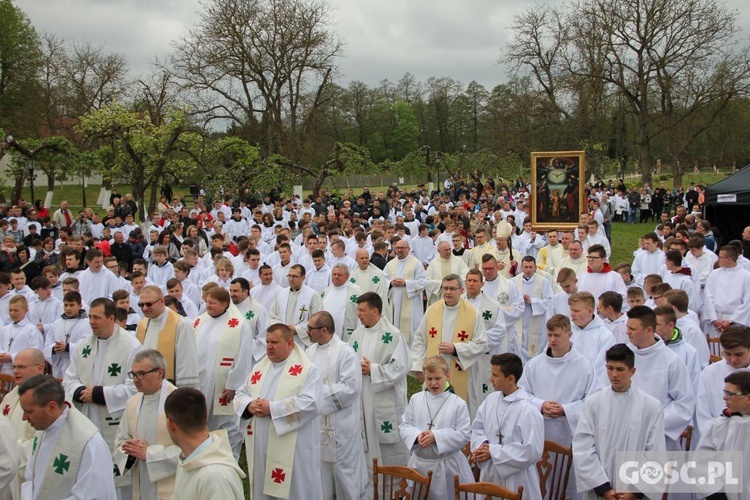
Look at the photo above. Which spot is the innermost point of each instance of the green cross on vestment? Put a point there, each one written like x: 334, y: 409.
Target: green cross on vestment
x: 486, y: 315
x: 386, y: 427
x: 61, y: 464
x: 114, y: 369
x: 249, y: 315
x: 355, y: 346
x: 386, y: 338
x: 86, y: 351
x: 376, y: 279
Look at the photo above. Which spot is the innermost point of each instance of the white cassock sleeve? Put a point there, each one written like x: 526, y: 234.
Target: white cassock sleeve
x: 679, y: 410
x: 384, y: 377
x: 304, y: 405
x: 539, y: 306
x: 161, y: 461
x: 95, y: 478
x: 9, y: 459
x: 408, y: 429
x: 347, y: 389
x: 415, y: 286
x: 469, y: 353
x: 116, y: 396
x: 259, y: 336
x: 588, y: 464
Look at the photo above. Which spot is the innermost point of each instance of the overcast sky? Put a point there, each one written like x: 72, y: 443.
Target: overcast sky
x: 383, y: 39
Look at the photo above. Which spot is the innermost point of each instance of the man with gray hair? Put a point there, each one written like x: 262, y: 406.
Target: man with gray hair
x: 69, y: 457
x: 143, y: 446
x: 453, y: 328
x: 340, y: 300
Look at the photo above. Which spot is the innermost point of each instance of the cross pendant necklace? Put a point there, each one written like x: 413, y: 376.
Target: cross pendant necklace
x: 429, y: 412
x: 499, y: 423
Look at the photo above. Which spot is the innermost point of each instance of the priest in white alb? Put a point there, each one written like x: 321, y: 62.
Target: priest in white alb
x: 256, y: 316
x: 452, y: 328
x: 384, y: 361
x: 279, y: 414
x: 407, y: 280
x: 342, y: 455
x: 295, y: 303
x: 340, y: 300
x: 444, y: 264
x: 537, y: 292
x: 143, y: 447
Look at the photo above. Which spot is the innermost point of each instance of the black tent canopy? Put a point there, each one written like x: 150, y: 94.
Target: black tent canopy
x: 727, y: 204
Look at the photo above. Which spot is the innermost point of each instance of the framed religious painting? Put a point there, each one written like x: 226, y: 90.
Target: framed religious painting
x: 557, y: 189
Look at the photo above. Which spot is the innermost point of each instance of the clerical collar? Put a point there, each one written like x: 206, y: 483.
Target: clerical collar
x: 292, y: 290
x: 528, y: 279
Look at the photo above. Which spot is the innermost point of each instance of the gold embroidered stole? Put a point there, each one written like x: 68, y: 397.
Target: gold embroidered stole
x: 165, y: 343
x: 463, y: 331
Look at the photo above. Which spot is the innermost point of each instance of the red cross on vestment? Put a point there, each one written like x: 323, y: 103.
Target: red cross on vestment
x: 197, y: 321
x: 278, y: 475
x: 233, y: 323
x: 255, y: 378
x: 295, y: 370
x: 433, y: 332
x: 463, y: 336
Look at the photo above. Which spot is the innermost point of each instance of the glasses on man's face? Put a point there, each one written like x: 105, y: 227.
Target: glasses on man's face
x: 313, y: 328
x: 592, y: 257
x: 728, y: 394
x: 451, y: 288
x: 141, y: 374
x: 147, y: 304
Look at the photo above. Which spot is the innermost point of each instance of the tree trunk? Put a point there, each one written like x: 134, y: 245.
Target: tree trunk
x: 644, y: 144
x: 17, y: 187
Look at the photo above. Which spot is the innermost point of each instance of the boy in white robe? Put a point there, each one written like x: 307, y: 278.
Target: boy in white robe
x: 45, y: 309
x: 735, y: 343
x: 590, y: 337
x: 661, y: 374
x: 558, y: 382
x: 609, y: 308
x: 435, y: 428
x: 65, y: 333
x: 507, y: 436
x: 679, y: 301
x: 18, y: 335
x: 611, y: 421
x: 731, y: 431
x: 727, y: 293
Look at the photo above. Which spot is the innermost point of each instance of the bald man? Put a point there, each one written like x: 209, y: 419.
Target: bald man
x: 28, y: 362
x: 446, y: 263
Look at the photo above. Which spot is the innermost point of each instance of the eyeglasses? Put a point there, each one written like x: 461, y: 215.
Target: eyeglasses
x: 23, y: 367
x: 141, y: 374
x: 312, y: 328
x: 728, y: 394
x: 591, y: 257
x: 148, y: 304
x: 451, y: 288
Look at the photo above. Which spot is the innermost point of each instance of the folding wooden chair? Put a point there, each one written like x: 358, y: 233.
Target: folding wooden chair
x: 490, y: 491
x: 714, y: 346
x: 399, y: 482
x: 554, y: 470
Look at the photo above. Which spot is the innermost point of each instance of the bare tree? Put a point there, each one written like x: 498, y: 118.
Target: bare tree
x: 255, y: 62
x: 669, y: 59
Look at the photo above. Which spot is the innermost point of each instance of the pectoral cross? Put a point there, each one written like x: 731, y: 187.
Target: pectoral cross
x: 430, y: 425
x: 499, y: 437
x: 302, y: 311
x: 10, y: 343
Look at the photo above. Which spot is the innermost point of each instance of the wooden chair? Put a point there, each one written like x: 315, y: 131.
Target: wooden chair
x: 399, y: 482
x: 554, y: 470
x: 7, y: 382
x: 466, y: 450
x: 714, y: 347
x: 713, y: 358
x: 472, y: 491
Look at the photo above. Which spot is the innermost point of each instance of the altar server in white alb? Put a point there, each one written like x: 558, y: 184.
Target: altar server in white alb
x: 96, y: 281
x: 661, y: 374
x: 407, y: 279
x: 342, y: 455
x: 727, y: 293
x: 96, y: 380
x: 731, y: 431
x: 65, y: 333
x: 224, y: 342
x: 18, y: 335
x: 735, y: 344
x: 69, y: 458
x: 453, y: 329
x: 384, y: 361
x: 435, y: 428
x: 559, y: 381
x: 143, y: 447
x: 612, y: 420
x: 282, y: 436
x: 507, y: 436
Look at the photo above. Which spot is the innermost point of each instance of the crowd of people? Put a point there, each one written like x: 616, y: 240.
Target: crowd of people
x: 146, y: 355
